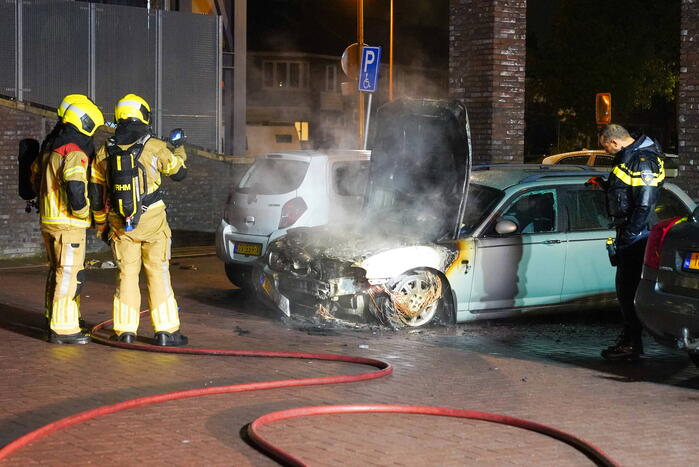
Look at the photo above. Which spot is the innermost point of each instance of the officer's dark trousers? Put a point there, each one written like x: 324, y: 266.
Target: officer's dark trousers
x: 628, y: 275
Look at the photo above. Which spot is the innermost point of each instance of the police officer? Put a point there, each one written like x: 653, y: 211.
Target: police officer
x: 60, y: 179
x: 126, y: 174
x: 632, y: 192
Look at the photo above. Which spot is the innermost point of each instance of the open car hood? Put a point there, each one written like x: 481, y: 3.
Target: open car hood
x: 419, y: 166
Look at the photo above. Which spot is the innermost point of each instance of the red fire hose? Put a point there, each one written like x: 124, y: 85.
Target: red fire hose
x: 382, y: 369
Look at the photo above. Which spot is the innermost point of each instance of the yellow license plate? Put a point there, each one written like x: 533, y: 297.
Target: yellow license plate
x: 692, y: 262
x: 250, y: 249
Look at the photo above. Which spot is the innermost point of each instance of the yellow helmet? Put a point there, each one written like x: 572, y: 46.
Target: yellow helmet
x: 132, y: 106
x: 84, y: 115
x: 69, y: 99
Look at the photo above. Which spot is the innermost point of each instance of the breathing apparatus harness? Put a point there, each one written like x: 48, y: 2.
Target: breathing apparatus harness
x: 126, y: 195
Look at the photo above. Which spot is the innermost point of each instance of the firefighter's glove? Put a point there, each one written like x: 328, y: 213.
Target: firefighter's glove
x: 597, y: 182
x: 177, y: 137
x: 102, y: 232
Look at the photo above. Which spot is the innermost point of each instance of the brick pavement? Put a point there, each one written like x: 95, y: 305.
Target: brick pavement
x: 546, y: 372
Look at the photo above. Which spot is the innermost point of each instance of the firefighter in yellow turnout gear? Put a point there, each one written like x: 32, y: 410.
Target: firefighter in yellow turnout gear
x: 124, y: 190
x: 60, y: 178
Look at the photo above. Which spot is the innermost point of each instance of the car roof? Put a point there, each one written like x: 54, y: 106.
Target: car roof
x: 307, y: 154
x: 556, y: 158
x: 503, y: 176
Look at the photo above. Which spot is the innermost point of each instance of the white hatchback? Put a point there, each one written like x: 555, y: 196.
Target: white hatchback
x: 287, y: 189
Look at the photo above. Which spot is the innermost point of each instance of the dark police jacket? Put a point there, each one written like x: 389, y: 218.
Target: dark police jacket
x: 632, y: 189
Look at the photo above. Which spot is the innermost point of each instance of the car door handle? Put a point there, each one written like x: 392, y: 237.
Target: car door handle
x: 551, y: 242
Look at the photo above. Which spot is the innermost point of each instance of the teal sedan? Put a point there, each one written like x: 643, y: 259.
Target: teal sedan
x: 532, y: 239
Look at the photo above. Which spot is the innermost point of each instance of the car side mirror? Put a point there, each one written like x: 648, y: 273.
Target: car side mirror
x: 504, y: 227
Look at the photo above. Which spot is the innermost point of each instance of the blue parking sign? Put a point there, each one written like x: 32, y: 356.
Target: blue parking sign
x: 369, y: 71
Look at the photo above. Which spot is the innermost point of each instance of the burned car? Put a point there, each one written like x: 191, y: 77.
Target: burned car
x: 440, y: 241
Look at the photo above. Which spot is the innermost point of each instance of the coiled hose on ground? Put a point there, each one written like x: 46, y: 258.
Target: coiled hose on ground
x: 381, y: 369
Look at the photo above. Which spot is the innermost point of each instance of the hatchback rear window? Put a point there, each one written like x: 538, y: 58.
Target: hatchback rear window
x: 273, y: 177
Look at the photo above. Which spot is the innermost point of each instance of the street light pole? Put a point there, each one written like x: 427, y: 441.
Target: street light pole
x: 390, y: 55
x: 360, y: 45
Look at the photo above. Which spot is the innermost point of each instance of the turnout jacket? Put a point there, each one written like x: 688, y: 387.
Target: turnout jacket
x: 59, y: 176
x: 155, y: 158
x: 633, y: 188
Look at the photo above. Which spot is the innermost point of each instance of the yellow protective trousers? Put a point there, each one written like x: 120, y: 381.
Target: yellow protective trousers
x: 148, y: 245
x: 66, y: 253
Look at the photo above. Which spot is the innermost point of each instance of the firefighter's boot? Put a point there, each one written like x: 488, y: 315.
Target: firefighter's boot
x: 125, y: 337
x: 77, y: 338
x: 172, y: 339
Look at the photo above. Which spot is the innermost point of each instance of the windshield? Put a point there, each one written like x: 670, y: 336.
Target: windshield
x: 273, y: 177
x: 481, y: 201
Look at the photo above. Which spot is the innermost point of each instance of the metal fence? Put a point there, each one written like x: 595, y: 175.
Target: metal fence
x: 50, y: 48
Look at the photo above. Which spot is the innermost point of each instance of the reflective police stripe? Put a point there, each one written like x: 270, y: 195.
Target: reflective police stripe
x: 643, y: 178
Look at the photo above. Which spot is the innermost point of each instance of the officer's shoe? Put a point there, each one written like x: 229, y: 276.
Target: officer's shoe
x: 171, y: 339
x: 125, y: 337
x: 624, y: 351
x: 77, y: 338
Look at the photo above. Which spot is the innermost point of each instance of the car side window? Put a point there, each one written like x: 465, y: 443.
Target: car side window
x: 574, y: 160
x: 587, y: 209
x: 350, y: 178
x: 604, y: 161
x: 534, y: 212
x: 668, y: 206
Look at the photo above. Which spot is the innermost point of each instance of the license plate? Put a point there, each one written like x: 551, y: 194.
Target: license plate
x: 250, y: 249
x: 691, y: 262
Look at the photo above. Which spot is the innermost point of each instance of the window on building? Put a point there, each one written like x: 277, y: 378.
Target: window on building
x: 285, y: 74
x: 331, y: 78
x: 302, y: 130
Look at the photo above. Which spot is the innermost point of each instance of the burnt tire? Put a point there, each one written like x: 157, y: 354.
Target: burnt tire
x: 417, y: 299
x: 239, y: 276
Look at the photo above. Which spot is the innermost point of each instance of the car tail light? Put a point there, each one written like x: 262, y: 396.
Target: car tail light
x: 656, y: 238
x: 291, y: 211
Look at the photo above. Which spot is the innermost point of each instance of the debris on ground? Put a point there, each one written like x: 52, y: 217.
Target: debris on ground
x: 240, y: 331
x: 190, y: 267
x: 108, y: 265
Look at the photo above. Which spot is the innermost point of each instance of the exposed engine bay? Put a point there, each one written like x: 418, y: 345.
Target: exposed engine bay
x: 347, y: 276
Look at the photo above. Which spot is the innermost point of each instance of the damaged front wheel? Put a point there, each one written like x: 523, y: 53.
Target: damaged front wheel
x: 415, y: 299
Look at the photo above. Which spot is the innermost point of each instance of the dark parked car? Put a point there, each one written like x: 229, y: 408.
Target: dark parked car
x: 667, y: 299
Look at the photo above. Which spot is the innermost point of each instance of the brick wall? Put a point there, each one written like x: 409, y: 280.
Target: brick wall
x: 194, y: 204
x: 487, y: 40
x: 688, y: 108
x: 19, y: 231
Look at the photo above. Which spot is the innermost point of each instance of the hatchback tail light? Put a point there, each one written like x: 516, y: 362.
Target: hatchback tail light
x: 656, y: 238
x: 291, y: 211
